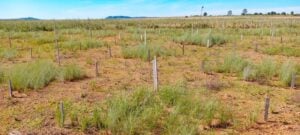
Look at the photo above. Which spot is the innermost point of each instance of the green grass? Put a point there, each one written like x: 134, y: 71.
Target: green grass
x: 141, y: 51
x: 286, y: 71
x: 197, y: 39
x: 173, y: 110
x: 282, y: 50
x: 33, y: 75
x: 267, y: 69
x: 8, y: 53
x: 233, y: 64
x: 71, y: 72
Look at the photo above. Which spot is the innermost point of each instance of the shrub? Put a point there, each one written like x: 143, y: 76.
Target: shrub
x: 196, y: 39
x: 8, y: 53
x: 71, y: 73
x: 266, y: 69
x: 249, y: 73
x: 141, y: 51
x: 90, y: 44
x: 34, y: 75
x: 233, y: 64
x: 286, y: 71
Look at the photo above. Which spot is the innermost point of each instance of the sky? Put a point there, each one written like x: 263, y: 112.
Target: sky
x: 82, y: 9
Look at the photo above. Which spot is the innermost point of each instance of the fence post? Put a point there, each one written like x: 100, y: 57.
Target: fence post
x: 155, y: 74
x: 293, y: 81
x: 30, y: 53
x: 58, y: 55
x: 149, y: 55
x: 62, y: 113
x: 10, y: 89
x: 96, y: 68
x: 10, y: 42
x: 267, y: 106
x: 145, y: 37
x: 208, y: 43
x: 109, y: 50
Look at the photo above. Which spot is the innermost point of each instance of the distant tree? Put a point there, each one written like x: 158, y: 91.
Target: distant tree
x: 283, y: 13
x: 229, y: 13
x: 245, y: 11
x: 205, y: 14
x: 256, y: 13
x: 292, y: 13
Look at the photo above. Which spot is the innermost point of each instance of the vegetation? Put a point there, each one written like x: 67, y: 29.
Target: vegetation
x: 287, y: 69
x: 34, y: 75
x: 143, y: 112
x: 142, y: 51
x: 71, y: 73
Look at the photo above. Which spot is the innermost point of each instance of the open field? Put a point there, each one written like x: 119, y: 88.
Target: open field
x: 95, y: 76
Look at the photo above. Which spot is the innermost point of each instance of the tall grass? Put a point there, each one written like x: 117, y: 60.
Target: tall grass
x: 286, y: 71
x: 8, y: 53
x: 70, y: 73
x: 233, y: 64
x: 282, y: 50
x: 32, y: 75
x: 173, y: 110
x: 141, y: 51
x: 197, y: 39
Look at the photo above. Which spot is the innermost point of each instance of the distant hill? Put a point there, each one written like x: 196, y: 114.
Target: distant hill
x: 122, y: 17
x: 27, y: 18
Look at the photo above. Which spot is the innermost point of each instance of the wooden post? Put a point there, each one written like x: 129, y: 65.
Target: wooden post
x: 256, y: 46
x: 145, y: 37
x: 149, y: 55
x: 30, y: 53
x: 208, y: 43
x: 62, y: 113
x: 203, y: 62
x: 281, y: 40
x: 119, y: 35
x: 96, y: 68
x: 293, y: 81
x: 9, y: 40
x: 267, y: 106
x: 58, y: 55
x: 109, y: 50
x: 183, y: 49
x: 10, y: 89
x: 242, y: 37
x: 155, y: 74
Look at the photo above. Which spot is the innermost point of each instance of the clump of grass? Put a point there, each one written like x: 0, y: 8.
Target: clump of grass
x: 92, y: 43
x: 267, y: 69
x: 141, y: 51
x: 233, y: 64
x: 282, y: 50
x: 34, y: 75
x: 173, y: 110
x: 249, y: 73
x: 8, y: 53
x: 285, y: 74
x: 197, y: 39
x: 71, y: 72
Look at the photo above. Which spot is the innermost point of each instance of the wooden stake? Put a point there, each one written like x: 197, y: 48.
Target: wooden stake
x: 208, y: 44
x: 183, y: 49
x: 58, y: 55
x: 155, y: 74
x: 10, y: 89
x: 267, y: 106
x: 293, y: 81
x: 30, y: 53
x: 62, y: 113
x: 96, y: 69
x: 149, y: 55
x: 145, y: 37
x: 109, y: 50
x: 9, y: 40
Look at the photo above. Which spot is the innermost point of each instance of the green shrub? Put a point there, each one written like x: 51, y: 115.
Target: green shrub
x: 71, y: 72
x: 141, y: 51
x: 196, y: 39
x: 282, y: 50
x: 233, y: 64
x: 267, y: 69
x: 8, y: 53
x: 90, y: 44
x: 249, y: 73
x: 34, y: 75
x: 286, y: 71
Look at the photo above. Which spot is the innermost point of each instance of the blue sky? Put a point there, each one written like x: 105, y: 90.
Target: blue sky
x: 75, y: 9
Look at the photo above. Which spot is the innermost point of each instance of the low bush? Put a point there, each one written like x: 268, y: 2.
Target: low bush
x: 285, y: 74
x: 8, y: 53
x: 196, y: 39
x: 34, y: 75
x: 233, y: 64
x: 173, y: 110
x: 71, y: 73
x: 141, y: 51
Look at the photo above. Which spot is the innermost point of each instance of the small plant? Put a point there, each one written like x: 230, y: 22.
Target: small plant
x: 8, y: 53
x: 286, y: 71
x: 142, y: 51
x: 233, y: 64
x: 60, y: 114
x: 34, y: 75
x: 71, y: 73
x: 249, y: 73
x: 266, y: 69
